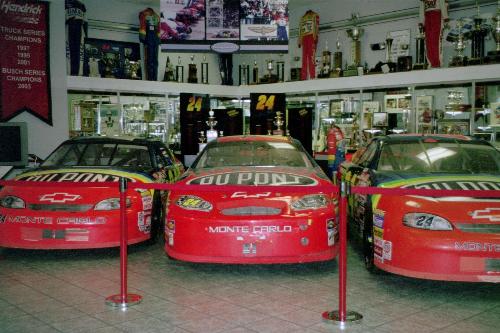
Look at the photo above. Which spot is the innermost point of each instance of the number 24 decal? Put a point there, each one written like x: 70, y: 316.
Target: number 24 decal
x: 194, y: 104
x: 265, y: 102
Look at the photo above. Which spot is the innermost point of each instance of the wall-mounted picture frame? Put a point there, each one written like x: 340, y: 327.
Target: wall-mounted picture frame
x: 380, y: 119
x: 335, y: 107
x: 495, y: 114
x: 397, y: 103
x: 371, y: 106
x: 424, y: 113
x: 451, y: 126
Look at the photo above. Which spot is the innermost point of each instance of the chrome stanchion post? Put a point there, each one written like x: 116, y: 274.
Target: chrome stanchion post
x: 342, y: 315
x: 123, y: 299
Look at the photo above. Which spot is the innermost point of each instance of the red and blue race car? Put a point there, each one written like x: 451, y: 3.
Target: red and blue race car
x: 72, y: 217
x: 252, y: 199
x: 440, y: 238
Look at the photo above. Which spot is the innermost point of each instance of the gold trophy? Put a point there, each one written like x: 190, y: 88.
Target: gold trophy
x: 204, y: 70
x: 179, y: 71
x: 337, y: 60
x: 278, y: 122
x: 459, y: 58
x: 421, y: 59
x: 355, y: 34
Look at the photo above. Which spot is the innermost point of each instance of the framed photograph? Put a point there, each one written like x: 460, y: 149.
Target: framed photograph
x: 335, y: 107
x: 380, y: 119
x: 400, y: 43
x: 397, y: 103
x: 371, y: 106
x: 424, y: 108
x: 495, y: 114
x: 448, y: 126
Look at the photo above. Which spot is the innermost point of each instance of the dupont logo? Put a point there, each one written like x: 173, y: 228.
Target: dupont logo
x: 492, y: 214
x: 59, y: 197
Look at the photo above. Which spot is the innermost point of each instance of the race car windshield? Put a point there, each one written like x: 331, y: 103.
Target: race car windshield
x: 100, y: 154
x: 443, y: 157
x: 252, y: 154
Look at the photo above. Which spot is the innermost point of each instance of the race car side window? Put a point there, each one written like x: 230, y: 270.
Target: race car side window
x: 368, y: 155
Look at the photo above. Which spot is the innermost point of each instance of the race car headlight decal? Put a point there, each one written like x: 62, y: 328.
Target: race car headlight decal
x: 426, y: 221
x: 111, y: 204
x: 192, y: 202
x: 311, y: 201
x: 11, y: 201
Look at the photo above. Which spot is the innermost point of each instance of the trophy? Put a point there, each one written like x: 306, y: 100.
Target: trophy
x: 278, y: 122
x: 244, y: 69
x: 192, y: 72
x: 477, y: 36
x: 211, y: 122
x: 169, y: 71
x: 326, y: 60
x: 270, y: 77
x: 337, y: 60
x: 459, y: 59
x: 134, y: 69
x: 355, y: 34
x: 179, y: 71
x: 280, y: 69
x: 108, y: 60
x: 202, y: 139
x: 389, y: 62
x: 494, y: 56
x: 255, y: 73
x: 295, y: 72
x: 204, y: 70
x: 421, y: 59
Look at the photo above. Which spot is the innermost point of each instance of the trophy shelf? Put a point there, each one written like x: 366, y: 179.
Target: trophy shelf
x: 438, y: 76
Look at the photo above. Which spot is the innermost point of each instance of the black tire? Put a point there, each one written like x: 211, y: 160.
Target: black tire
x: 368, y: 252
x: 157, y: 219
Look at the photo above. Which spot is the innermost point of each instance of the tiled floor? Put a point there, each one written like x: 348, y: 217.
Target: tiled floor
x: 65, y: 292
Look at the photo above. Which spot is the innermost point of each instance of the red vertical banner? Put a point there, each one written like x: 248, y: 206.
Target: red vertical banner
x: 24, y: 63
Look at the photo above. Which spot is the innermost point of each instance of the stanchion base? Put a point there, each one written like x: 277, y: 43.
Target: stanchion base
x: 123, y: 302
x: 333, y: 316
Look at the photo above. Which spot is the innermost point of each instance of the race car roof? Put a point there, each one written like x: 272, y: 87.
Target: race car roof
x: 114, y: 139
x: 394, y: 138
x: 268, y: 138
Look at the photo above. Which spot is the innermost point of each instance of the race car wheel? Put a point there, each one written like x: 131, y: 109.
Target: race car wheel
x: 157, y: 219
x: 368, y: 241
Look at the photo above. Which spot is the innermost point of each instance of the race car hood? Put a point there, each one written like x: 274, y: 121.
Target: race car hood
x: 273, y: 176
x: 83, y: 175
x: 437, y: 181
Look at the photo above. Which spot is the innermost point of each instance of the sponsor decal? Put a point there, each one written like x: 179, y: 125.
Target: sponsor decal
x: 387, y: 250
x: 81, y: 220
x: 75, y: 177
x: 147, y: 202
x: 21, y: 219
x: 456, y: 185
x: 224, y: 229
x: 378, y: 218
x: 477, y: 246
x: 246, y: 195
x: 82, y: 176
x: 59, y: 197
x: 492, y: 214
x: 77, y: 235
x: 254, y: 178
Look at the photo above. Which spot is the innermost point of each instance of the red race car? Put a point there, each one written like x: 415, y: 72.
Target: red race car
x: 438, y: 238
x: 236, y: 222
x: 41, y: 217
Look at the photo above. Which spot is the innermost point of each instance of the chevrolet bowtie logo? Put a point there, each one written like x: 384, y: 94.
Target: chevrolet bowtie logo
x: 59, y: 197
x: 492, y: 214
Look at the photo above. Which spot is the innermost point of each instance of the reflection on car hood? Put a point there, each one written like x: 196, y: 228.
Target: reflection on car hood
x: 255, y: 176
x: 83, y: 175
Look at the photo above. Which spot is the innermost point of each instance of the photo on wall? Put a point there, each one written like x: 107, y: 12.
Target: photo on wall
x: 182, y: 20
x: 223, y: 20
